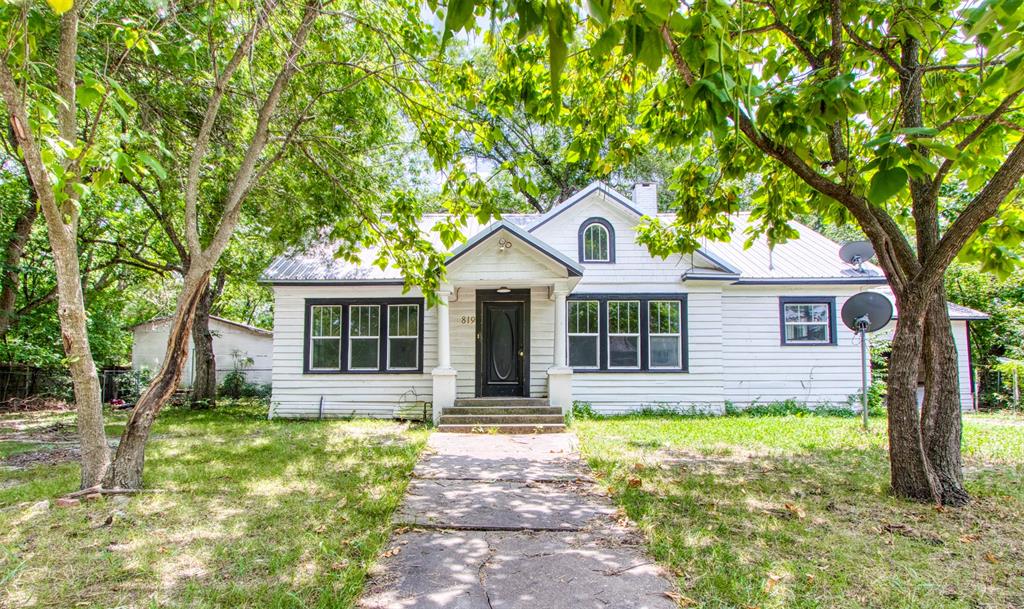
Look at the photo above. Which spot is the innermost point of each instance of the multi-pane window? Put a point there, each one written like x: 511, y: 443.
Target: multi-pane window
x: 403, y: 336
x: 627, y: 332
x: 325, y: 337
x: 664, y: 328
x: 623, y: 334
x: 807, y: 322
x: 584, y: 333
x: 596, y: 243
x: 364, y: 337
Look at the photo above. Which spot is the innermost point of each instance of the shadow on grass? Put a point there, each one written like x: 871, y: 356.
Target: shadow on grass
x: 245, y: 513
x: 814, y: 527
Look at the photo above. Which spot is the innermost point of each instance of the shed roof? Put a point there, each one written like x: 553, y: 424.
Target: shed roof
x: 230, y: 322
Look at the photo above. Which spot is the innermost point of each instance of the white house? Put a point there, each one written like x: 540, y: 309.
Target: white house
x: 565, y: 306
x: 233, y: 344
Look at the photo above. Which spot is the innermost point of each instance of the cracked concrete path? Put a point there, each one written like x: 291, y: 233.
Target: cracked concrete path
x: 510, y: 522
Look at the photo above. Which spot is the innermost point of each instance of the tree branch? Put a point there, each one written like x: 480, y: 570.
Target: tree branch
x: 982, y: 207
x: 209, y: 119
x: 243, y: 178
x: 986, y: 122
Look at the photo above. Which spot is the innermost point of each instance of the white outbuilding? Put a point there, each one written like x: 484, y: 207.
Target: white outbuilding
x: 234, y: 345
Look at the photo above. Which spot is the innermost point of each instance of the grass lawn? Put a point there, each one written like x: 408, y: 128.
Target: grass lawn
x: 793, y: 512
x: 250, y: 513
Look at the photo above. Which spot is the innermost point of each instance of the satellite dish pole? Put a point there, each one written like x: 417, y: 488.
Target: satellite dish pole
x: 863, y: 313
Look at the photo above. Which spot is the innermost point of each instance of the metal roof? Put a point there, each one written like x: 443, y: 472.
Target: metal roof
x: 810, y: 259
x: 230, y: 322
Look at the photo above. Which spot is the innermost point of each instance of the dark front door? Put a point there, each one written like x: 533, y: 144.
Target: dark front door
x: 501, y: 348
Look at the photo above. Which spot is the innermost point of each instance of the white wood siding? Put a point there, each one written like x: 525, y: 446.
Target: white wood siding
x: 699, y: 389
x: 634, y: 270
x: 760, y: 369
x: 963, y: 364
x: 377, y: 395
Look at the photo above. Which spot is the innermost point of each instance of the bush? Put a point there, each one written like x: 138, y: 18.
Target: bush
x: 583, y: 411
x: 131, y: 383
x: 236, y: 384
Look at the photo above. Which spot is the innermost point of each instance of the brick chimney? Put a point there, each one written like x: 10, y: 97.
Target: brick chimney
x: 645, y: 198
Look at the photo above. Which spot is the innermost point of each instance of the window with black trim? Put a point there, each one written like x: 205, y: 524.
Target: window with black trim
x: 325, y: 337
x: 362, y: 336
x: 807, y: 320
x: 584, y: 333
x: 627, y: 332
x: 596, y: 241
x: 624, y: 334
x: 664, y: 327
x: 403, y: 336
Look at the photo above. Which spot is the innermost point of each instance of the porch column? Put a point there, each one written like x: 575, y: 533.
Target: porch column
x: 444, y: 342
x: 560, y: 375
x: 444, y: 375
x: 559, y: 329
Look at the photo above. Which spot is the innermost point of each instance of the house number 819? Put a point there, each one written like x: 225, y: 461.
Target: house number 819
x: 467, y: 319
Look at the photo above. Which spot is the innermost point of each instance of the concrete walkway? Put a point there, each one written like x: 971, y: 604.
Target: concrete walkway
x: 510, y: 522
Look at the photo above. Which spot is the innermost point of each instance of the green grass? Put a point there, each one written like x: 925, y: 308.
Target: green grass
x: 251, y: 513
x: 794, y: 512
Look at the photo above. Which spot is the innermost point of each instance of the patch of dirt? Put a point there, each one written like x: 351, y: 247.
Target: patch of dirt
x: 33, y: 404
x: 50, y: 456
x: 25, y: 431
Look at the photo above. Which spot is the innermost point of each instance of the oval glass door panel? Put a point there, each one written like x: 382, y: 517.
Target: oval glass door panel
x: 503, y: 345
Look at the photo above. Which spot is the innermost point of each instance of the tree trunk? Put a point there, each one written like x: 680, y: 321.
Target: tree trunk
x: 910, y: 474
x: 61, y: 226
x: 15, y: 249
x: 941, y: 424
x: 126, y: 469
x: 204, y: 385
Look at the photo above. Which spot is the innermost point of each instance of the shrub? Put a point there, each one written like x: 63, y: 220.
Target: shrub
x: 582, y: 411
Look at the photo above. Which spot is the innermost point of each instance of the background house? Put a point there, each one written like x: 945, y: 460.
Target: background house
x: 233, y: 343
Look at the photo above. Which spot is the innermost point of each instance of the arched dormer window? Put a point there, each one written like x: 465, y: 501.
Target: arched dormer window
x: 597, y: 241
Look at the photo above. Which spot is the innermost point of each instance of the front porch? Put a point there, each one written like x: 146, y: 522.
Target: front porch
x: 501, y: 328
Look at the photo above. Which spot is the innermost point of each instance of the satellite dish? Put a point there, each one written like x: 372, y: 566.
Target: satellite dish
x: 867, y: 311
x: 863, y: 313
x: 857, y: 252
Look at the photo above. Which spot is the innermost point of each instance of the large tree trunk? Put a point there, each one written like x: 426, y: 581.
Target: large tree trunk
x: 941, y: 425
x: 126, y: 469
x: 62, y: 230
x: 910, y: 475
x: 204, y: 385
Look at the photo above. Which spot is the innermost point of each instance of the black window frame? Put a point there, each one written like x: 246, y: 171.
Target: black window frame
x: 829, y: 301
x: 611, y: 240
x: 345, y: 304
x: 645, y: 299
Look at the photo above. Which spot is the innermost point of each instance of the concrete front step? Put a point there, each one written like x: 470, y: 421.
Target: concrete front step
x: 498, y: 401
x: 500, y: 419
x: 503, y: 410
x: 546, y: 428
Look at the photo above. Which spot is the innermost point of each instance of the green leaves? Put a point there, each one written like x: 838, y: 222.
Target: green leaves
x: 886, y: 183
x: 458, y: 15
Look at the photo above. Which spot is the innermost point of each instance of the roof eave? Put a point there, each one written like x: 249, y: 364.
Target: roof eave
x: 813, y: 281
x: 573, y: 269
